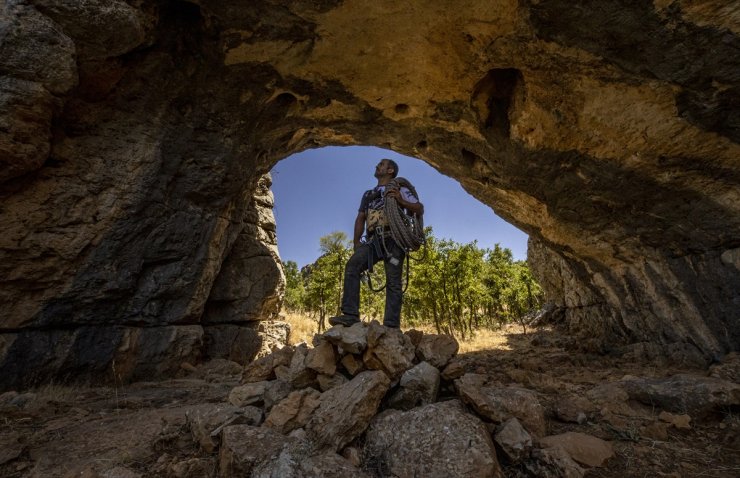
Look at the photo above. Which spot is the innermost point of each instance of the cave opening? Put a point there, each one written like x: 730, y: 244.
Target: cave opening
x: 316, y: 197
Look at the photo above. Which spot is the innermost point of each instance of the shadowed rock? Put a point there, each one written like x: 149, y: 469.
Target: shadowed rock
x: 585, y: 449
x: 345, y: 411
x: 388, y: 350
x: 436, y: 440
x: 513, y: 440
x: 293, y: 411
x: 498, y: 403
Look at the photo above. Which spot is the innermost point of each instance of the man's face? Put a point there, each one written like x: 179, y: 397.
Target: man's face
x: 383, y: 168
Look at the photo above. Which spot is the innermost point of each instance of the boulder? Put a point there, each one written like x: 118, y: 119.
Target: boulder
x: 350, y: 339
x: 553, y: 463
x: 498, y: 404
x: 264, y: 368
x: 322, y: 359
x: 249, y: 394
x: 513, y: 440
x: 573, y: 409
x: 419, y: 386
x: 438, y: 350
x: 293, y: 411
x: 693, y: 394
x: 243, y: 447
x: 297, y: 373
x: 275, y: 390
x: 205, y: 421
x: 388, y: 350
x: 352, y: 364
x: 585, y: 449
x: 345, y: 411
x: 297, y: 461
x: 436, y: 440
x: 454, y: 370
x: 326, y: 382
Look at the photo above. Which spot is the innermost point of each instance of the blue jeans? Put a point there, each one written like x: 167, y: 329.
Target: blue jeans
x: 363, y: 257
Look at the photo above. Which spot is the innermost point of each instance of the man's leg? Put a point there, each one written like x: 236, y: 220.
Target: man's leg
x: 393, y: 289
x: 351, y: 293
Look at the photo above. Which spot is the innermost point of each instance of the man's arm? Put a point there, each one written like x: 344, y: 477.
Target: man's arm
x: 359, y: 228
x: 413, y: 207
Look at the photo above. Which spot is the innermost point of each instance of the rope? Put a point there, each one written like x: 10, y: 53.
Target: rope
x: 407, y: 231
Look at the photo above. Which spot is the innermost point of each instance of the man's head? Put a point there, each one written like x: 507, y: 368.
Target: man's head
x: 386, y: 167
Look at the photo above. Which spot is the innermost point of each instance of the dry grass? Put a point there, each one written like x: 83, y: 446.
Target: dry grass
x: 303, y: 328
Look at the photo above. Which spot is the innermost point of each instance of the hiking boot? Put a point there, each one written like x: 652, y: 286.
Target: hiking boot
x: 344, y: 319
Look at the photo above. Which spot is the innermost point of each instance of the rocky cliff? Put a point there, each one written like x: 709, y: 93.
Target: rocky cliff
x: 135, y: 135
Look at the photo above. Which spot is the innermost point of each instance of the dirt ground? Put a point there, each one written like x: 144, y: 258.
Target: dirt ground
x: 141, y: 429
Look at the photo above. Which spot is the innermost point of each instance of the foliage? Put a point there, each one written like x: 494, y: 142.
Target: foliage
x: 456, y: 288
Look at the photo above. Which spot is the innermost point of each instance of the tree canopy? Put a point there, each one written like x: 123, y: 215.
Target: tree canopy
x: 457, y: 288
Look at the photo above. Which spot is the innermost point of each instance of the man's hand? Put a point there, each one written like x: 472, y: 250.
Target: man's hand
x: 414, y: 207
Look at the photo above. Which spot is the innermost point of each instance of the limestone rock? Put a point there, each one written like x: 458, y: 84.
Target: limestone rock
x: 352, y: 364
x: 243, y: 447
x: 419, y: 386
x: 250, y: 282
x: 264, y: 368
x: 501, y: 403
x: 437, y: 349
x: 275, y: 391
x: 243, y: 343
x: 455, y: 369
x: 683, y: 393
x: 388, y: 350
x: 326, y: 382
x: 415, y: 336
x: 574, y: 409
x: 322, y: 359
x: 206, y: 420
x: 436, y: 440
x: 585, y: 449
x: 729, y: 368
x: 608, y: 157
x: 298, y: 374
x: 514, y: 440
x: 34, y: 48
x: 295, y: 461
x: 351, y: 339
x: 11, y: 446
x: 251, y: 393
x: 345, y: 411
x: 553, y: 463
x: 293, y: 411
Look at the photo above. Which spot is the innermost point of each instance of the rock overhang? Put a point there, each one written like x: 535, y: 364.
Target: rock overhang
x: 623, y: 168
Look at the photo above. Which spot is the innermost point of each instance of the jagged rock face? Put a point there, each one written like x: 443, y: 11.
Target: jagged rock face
x: 135, y: 135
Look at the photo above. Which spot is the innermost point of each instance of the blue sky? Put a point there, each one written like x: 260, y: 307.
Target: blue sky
x: 318, y: 191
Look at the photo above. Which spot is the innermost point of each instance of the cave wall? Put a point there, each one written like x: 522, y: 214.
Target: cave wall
x: 136, y: 135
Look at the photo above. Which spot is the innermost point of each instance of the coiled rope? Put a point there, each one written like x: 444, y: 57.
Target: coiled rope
x: 407, y: 231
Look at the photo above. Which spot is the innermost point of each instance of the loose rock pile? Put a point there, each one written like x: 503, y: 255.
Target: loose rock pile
x: 367, y: 400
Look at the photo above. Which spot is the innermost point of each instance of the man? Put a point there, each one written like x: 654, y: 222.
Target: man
x: 379, y: 245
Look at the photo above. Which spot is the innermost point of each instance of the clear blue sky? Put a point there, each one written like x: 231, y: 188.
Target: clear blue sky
x: 318, y: 191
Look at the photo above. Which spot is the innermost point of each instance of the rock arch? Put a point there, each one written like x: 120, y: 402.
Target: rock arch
x: 135, y: 139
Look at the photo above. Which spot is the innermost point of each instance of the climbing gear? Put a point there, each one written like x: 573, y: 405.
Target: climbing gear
x: 344, y: 319
x: 406, y: 230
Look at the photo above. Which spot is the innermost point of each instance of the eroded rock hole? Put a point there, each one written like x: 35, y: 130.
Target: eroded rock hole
x: 493, y: 97
x: 402, y: 108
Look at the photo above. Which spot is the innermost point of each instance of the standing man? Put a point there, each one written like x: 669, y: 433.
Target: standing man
x: 379, y: 245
